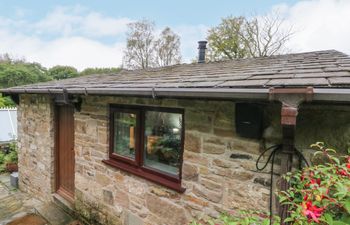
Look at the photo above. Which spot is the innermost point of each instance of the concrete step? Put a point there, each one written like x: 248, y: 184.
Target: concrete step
x: 54, y: 214
x: 62, y: 203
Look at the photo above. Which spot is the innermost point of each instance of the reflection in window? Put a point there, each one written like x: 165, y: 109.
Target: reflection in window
x: 124, y: 134
x: 163, y: 133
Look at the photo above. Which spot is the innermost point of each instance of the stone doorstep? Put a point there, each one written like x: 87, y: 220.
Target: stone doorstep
x: 62, y: 203
x: 54, y: 214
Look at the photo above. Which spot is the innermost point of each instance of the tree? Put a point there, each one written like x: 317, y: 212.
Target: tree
x: 239, y: 37
x: 139, y: 51
x: 62, y: 72
x: 15, y: 74
x: 224, y: 40
x: 143, y: 50
x: 167, y: 48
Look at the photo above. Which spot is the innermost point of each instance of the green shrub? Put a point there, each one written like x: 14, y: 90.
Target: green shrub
x: 2, y: 157
x: 12, y: 156
x: 320, y: 194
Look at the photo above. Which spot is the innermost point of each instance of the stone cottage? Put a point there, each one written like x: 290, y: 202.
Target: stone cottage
x: 169, y: 145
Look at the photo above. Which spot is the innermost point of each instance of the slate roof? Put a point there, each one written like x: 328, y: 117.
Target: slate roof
x: 323, y: 69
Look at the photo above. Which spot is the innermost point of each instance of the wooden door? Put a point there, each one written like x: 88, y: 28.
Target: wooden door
x: 65, y: 152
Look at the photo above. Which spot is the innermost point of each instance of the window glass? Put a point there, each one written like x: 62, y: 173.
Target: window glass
x: 124, y: 134
x: 162, y: 142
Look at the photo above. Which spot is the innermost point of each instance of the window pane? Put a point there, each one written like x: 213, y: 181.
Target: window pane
x: 163, y: 132
x: 124, y: 134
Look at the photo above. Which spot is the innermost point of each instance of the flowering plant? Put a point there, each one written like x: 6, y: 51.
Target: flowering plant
x: 320, y: 194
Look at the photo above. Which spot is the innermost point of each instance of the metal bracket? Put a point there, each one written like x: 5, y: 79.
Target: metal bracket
x: 290, y: 98
x: 66, y: 99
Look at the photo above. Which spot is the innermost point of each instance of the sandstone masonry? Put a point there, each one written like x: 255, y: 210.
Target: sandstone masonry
x: 218, y: 166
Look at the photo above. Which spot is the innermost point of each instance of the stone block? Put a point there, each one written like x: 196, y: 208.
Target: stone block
x: 189, y: 172
x: 240, y: 174
x: 197, y: 201
x: 246, y: 145
x: 215, y: 186
x: 102, y: 135
x: 164, y: 192
x: 171, y: 213
x: 192, y: 142
x: 121, y: 198
x: 195, y: 158
x: 222, y: 163
x: 107, y: 197
x: 103, y: 179
x: 213, y: 149
x: 132, y: 219
x: 203, y: 192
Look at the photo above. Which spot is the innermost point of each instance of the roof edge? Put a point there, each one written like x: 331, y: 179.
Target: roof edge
x: 220, y: 93
x: 320, y: 94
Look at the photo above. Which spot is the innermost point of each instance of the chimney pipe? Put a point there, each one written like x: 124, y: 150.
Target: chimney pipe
x: 202, y: 45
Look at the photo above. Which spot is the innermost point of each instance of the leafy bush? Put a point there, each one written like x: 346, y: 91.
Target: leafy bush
x: 2, y: 160
x: 12, y: 156
x: 320, y: 194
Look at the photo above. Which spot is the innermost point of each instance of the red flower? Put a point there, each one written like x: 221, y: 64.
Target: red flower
x: 316, y: 181
x: 348, y: 164
x: 343, y: 172
x: 312, y: 212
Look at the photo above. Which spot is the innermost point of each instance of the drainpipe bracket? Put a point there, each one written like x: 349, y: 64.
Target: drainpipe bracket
x: 290, y: 98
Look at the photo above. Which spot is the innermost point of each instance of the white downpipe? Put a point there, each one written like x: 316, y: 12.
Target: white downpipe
x: 11, y: 122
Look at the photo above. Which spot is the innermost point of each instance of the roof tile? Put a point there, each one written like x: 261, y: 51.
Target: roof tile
x: 321, y: 69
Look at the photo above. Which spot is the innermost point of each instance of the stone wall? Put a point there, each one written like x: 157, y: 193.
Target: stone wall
x: 36, y: 145
x: 218, y: 171
x: 316, y: 122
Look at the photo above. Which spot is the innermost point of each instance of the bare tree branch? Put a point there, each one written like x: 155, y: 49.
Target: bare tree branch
x: 143, y: 50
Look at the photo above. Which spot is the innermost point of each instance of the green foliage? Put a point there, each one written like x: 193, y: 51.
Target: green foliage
x: 95, y: 70
x: 62, y: 72
x: 14, y: 72
x: 21, y: 73
x: 241, y: 37
x: 2, y: 162
x: 224, y: 40
x: 18, y: 72
x: 10, y: 157
x: 6, y: 102
x: 320, y: 194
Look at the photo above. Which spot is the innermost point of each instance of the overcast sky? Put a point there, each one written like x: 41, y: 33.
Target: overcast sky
x: 92, y: 33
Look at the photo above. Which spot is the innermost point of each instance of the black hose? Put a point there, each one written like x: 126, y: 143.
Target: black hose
x: 275, y: 149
